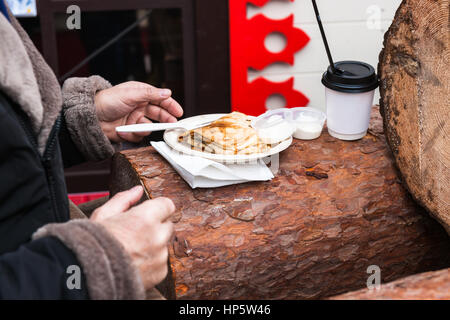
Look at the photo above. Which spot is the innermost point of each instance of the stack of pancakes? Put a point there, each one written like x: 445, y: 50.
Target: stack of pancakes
x: 229, y: 135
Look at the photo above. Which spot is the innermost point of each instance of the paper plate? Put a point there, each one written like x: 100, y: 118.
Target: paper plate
x: 171, y: 138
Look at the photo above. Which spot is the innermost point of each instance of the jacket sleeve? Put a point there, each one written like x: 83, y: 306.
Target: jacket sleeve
x: 46, y: 268
x: 81, y: 122
x: 109, y: 271
x: 38, y: 270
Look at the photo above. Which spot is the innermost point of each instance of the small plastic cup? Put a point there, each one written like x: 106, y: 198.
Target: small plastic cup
x: 274, y: 126
x: 308, y: 123
x: 349, y: 92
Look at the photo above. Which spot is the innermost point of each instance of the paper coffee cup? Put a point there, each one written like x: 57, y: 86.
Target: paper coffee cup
x: 349, y: 92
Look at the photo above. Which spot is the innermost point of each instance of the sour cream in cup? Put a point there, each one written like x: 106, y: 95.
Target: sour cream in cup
x: 308, y: 123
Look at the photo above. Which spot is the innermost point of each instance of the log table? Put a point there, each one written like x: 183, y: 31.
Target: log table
x: 333, y: 209
x: 424, y: 286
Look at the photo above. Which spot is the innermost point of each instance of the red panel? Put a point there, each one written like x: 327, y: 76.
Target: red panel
x: 258, y: 28
x: 247, y: 50
x: 260, y: 89
x: 80, y: 198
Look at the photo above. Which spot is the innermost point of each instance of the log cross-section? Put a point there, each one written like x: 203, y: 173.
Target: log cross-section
x: 414, y: 70
x: 333, y: 209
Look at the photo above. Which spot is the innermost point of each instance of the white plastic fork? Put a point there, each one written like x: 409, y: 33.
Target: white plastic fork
x: 150, y: 127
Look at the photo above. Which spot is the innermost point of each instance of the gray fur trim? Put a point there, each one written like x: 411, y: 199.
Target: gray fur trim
x: 110, y: 274
x: 81, y: 117
x: 49, y: 88
x: 17, y: 80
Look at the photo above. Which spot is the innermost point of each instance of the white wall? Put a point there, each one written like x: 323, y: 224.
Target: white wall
x: 354, y: 28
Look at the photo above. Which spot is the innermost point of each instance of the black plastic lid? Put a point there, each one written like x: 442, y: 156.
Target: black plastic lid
x: 351, y: 76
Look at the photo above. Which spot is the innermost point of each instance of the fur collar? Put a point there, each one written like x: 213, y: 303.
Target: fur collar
x: 27, y: 79
x: 17, y: 79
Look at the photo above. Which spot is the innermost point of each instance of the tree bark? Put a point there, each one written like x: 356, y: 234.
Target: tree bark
x: 124, y: 177
x: 415, y: 91
x: 433, y: 285
x: 333, y: 209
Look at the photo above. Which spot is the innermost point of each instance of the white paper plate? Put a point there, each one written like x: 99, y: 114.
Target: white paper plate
x: 171, y: 138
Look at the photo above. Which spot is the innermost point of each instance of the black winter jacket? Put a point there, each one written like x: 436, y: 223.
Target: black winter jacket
x: 33, y: 194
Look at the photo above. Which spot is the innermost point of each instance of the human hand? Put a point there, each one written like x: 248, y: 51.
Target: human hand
x: 131, y: 103
x: 144, y: 231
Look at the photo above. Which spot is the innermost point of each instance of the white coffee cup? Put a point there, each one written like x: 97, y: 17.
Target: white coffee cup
x: 349, y: 91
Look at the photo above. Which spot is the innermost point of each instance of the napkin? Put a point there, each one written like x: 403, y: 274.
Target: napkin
x: 203, y: 173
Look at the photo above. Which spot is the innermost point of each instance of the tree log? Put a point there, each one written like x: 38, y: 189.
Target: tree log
x: 333, y: 209
x: 124, y: 177
x: 415, y: 91
x: 433, y: 285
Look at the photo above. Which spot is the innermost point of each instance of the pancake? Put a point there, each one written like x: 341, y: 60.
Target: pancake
x: 229, y: 135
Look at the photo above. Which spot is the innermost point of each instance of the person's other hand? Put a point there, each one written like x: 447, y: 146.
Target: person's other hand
x: 132, y: 103
x: 144, y: 231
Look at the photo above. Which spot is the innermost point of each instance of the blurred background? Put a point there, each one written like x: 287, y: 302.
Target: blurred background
x: 184, y: 45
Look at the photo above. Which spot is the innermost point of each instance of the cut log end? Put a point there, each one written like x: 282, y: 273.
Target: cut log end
x: 415, y: 92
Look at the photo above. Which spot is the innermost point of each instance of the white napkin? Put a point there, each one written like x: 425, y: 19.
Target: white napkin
x: 203, y: 173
